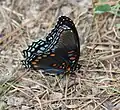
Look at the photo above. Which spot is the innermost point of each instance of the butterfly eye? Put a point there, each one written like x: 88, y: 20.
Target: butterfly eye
x: 59, y: 53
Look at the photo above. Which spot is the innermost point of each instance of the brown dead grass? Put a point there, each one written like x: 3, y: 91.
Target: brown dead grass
x: 97, y: 84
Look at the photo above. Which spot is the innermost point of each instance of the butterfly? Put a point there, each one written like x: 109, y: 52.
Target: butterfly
x: 59, y: 53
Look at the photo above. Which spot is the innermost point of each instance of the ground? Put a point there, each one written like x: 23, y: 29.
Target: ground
x: 96, y: 86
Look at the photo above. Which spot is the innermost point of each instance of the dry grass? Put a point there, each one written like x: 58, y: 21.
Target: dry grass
x: 97, y: 84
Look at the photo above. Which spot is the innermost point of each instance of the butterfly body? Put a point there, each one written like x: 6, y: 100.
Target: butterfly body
x: 59, y: 53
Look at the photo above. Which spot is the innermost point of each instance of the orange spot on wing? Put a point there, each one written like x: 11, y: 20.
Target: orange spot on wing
x: 35, y: 66
x: 52, y: 55
x: 36, y: 60
x: 63, y: 63
x: 34, y: 63
x: 39, y: 57
x: 71, y: 51
x: 60, y: 67
x: 54, y: 64
x: 68, y: 68
x: 72, y: 58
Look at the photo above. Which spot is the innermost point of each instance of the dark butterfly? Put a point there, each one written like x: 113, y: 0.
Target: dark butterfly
x: 59, y: 53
